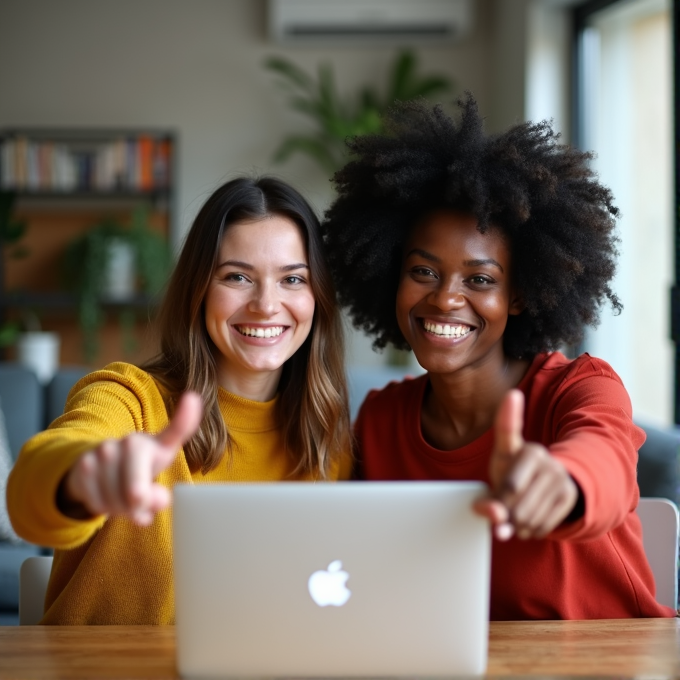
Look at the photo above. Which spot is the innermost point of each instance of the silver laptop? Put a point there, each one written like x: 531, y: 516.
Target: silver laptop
x: 353, y: 579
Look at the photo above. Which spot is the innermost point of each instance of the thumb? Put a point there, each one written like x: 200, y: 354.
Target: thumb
x: 184, y: 423
x: 508, y: 440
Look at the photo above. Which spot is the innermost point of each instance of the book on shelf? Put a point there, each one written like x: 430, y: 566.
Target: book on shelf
x: 126, y: 163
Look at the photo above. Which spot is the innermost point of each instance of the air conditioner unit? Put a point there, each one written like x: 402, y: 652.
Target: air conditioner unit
x: 369, y: 21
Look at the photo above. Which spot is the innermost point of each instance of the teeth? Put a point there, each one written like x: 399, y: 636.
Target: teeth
x: 446, y: 330
x: 269, y: 332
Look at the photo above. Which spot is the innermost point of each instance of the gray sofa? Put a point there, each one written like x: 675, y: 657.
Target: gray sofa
x: 28, y: 407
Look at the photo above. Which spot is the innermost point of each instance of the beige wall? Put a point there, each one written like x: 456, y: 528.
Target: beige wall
x: 195, y: 67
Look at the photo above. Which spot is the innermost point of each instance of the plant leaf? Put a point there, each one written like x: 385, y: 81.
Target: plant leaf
x: 310, y: 146
x: 427, y: 87
x: 290, y: 72
x: 401, y: 77
x: 9, y: 332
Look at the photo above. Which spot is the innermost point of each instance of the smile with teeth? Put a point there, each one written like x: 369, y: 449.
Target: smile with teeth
x: 253, y: 332
x: 446, y: 330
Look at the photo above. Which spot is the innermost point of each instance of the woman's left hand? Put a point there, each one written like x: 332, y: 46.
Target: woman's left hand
x: 532, y: 492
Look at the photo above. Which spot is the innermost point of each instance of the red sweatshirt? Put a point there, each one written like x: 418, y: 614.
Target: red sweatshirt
x: 594, y: 568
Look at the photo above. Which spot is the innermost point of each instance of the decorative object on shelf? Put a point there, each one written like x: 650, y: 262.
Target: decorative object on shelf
x: 336, y: 118
x: 39, y: 351
x: 119, y: 283
x: 36, y: 349
x: 112, y: 263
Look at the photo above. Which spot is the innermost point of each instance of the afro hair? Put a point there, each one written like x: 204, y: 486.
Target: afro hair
x: 558, y: 219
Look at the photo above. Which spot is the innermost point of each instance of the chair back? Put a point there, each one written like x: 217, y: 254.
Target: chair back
x: 33, y: 577
x: 659, y: 518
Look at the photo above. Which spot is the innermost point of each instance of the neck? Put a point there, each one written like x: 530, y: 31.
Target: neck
x: 256, y: 386
x: 461, y: 406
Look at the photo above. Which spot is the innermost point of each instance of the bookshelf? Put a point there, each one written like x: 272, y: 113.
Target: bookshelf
x: 65, y: 182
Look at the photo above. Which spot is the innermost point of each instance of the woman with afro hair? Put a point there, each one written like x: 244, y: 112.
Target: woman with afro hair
x: 484, y: 255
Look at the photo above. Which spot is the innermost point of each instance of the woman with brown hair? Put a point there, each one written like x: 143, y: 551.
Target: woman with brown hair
x: 248, y: 386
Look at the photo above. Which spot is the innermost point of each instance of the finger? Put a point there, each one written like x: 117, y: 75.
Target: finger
x: 157, y: 499
x: 533, y: 507
x: 83, y: 485
x: 498, y: 515
x: 508, y: 424
x: 547, y: 508
x: 521, y: 473
x: 557, y: 514
x: 137, y: 471
x: 183, y: 425
x: 108, y: 476
x: 492, y: 509
x: 504, y: 532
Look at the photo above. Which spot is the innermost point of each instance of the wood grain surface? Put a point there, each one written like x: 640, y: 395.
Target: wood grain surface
x: 648, y: 648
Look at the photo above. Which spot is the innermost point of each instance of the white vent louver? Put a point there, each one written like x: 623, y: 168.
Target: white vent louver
x: 351, y: 21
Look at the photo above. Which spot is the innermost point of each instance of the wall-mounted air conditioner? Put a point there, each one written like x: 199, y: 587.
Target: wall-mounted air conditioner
x: 369, y: 21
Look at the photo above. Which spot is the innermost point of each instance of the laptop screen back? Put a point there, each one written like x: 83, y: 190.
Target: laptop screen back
x: 331, y: 579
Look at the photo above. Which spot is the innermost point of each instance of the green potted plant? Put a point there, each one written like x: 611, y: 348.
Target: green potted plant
x: 35, y: 348
x: 335, y: 118
x: 11, y: 233
x: 114, y: 264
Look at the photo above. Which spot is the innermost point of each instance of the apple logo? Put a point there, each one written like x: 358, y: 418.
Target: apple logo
x: 328, y: 586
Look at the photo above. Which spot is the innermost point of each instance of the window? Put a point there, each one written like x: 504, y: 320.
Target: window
x: 624, y: 94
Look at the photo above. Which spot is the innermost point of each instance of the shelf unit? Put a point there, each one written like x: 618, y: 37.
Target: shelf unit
x: 66, y: 180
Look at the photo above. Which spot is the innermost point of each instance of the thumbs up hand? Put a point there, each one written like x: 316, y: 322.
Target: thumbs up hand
x: 532, y: 492
x: 117, y: 477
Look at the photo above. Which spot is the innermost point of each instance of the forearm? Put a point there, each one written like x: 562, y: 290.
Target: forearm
x: 32, y: 491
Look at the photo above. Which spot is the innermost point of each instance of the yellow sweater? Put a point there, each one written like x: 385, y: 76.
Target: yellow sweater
x: 107, y: 570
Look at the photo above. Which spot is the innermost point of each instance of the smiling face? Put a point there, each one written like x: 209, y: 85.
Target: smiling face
x: 454, y: 294
x: 259, y: 307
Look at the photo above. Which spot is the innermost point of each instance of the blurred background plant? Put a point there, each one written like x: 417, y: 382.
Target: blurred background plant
x: 336, y: 117
x: 12, y: 231
x: 89, y: 267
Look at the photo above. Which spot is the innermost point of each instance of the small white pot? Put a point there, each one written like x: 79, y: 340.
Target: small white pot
x: 120, y: 272
x: 39, y: 351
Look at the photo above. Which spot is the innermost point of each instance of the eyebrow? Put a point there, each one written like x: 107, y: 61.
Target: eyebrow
x: 245, y: 265
x: 424, y: 254
x: 479, y: 263
x: 468, y: 263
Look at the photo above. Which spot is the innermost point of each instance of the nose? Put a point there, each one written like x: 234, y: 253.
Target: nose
x: 265, y: 300
x: 447, y: 297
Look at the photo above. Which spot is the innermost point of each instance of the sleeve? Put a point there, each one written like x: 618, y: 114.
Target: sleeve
x: 97, y: 409
x: 595, y: 438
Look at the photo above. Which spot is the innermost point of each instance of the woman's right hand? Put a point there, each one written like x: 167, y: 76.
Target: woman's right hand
x: 117, y: 477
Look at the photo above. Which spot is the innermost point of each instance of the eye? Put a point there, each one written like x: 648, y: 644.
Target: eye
x: 422, y: 272
x: 235, y: 278
x: 294, y: 280
x: 481, y: 280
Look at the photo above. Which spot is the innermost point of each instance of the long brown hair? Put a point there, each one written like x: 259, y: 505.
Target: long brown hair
x: 312, y: 401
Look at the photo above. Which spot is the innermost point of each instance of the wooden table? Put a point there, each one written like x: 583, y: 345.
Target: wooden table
x: 621, y: 648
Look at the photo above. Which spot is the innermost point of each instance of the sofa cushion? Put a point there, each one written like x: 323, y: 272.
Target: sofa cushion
x: 6, y: 531
x: 23, y: 404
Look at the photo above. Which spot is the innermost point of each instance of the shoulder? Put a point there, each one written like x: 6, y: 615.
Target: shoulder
x: 556, y: 369
x: 568, y: 384
x: 122, y: 386
x: 116, y: 377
